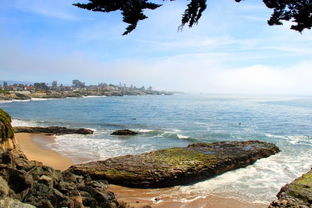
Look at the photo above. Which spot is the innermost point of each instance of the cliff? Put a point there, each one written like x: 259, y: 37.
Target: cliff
x: 29, y: 184
x: 7, y: 140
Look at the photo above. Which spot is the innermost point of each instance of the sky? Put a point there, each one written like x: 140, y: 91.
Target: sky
x: 232, y: 50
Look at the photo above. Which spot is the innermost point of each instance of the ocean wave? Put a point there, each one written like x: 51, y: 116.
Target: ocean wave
x: 95, y: 147
x: 19, y: 122
x: 293, y: 139
x: 172, y: 133
x: 40, y: 99
x: 94, y: 96
x: 261, y: 180
x: 45, y: 99
x: 12, y: 101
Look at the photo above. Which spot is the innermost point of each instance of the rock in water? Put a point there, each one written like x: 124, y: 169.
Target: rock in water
x: 297, y: 194
x: 176, y: 166
x: 124, y: 132
x: 57, y: 130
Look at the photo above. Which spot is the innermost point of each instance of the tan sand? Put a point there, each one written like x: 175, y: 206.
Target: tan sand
x: 34, y: 147
x: 170, y: 198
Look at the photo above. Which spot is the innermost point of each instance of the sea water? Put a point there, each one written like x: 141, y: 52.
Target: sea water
x: 179, y: 120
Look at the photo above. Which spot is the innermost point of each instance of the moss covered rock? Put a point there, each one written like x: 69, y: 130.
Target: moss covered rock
x: 7, y: 140
x: 176, y: 166
x: 297, y: 194
x: 6, y: 130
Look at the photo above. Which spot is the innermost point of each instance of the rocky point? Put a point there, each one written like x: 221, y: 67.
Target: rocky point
x: 176, y: 166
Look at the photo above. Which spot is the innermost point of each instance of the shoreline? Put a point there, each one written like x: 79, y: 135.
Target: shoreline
x: 171, y: 197
x: 35, y: 147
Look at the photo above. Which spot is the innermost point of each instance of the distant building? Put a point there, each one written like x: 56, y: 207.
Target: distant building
x: 54, y: 84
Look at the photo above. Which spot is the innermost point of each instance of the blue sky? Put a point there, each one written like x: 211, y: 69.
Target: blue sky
x: 231, y: 50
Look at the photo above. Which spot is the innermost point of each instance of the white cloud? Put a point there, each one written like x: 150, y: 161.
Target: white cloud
x: 217, y: 56
x: 188, y: 72
x: 54, y: 9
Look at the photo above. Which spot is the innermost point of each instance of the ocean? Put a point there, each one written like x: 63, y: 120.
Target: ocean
x: 179, y: 120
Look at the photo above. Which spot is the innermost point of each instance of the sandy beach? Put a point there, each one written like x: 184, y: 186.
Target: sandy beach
x: 35, y: 147
x: 169, y: 198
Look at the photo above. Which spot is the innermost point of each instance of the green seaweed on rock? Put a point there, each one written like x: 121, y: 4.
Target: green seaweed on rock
x: 182, y: 157
x: 302, y: 187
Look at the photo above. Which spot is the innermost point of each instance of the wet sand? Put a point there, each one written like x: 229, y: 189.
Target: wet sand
x: 34, y: 146
x: 172, y: 198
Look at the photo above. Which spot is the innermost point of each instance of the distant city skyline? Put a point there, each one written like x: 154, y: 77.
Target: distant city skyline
x: 231, y: 50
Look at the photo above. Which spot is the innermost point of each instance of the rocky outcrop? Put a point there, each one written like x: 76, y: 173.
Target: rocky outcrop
x: 7, y: 140
x: 32, y: 183
x: 56, y: 130
x: 176, y: 166
x: 297, y: 194
x: 8, y: 202
x: 124, y: 132
x: 13, y: 96
x: 29, y: 184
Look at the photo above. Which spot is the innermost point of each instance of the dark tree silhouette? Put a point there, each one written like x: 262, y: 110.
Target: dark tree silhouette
x: 297, y: 11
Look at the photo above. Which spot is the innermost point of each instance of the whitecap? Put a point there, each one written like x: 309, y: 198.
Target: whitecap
x: 18, y: 122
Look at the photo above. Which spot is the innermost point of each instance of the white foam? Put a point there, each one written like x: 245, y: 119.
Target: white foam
x: 180, y: 136
x: 293, y: 139
x: 93, y: 148
x: 12, y: 101
x: 275, y: 136
x: 145, y: 130
x: 186, y: 200
x: 94, y: 96
x: 259, y: 182
x: 40, y: 99
x: 18, y: 122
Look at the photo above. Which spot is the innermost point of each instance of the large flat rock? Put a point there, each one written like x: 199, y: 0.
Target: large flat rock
x: 297, y: 194
x: 176, y: 166
x: 57, y: 130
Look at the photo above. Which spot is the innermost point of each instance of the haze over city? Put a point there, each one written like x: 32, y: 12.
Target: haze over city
x: 231, y: 50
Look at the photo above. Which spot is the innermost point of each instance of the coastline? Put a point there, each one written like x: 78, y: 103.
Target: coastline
x: 35, y: 147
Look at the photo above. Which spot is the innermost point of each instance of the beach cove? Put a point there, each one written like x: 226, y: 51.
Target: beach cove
x: 166, y: 121
x: 35, y: 147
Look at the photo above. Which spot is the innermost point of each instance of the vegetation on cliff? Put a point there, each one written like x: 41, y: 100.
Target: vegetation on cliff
x: 6, y: 130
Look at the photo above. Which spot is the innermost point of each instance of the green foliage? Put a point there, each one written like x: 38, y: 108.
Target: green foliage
x: 132, y: 11
x: 297, y: 11
x: 4, y: 92
x: 6, y: 130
